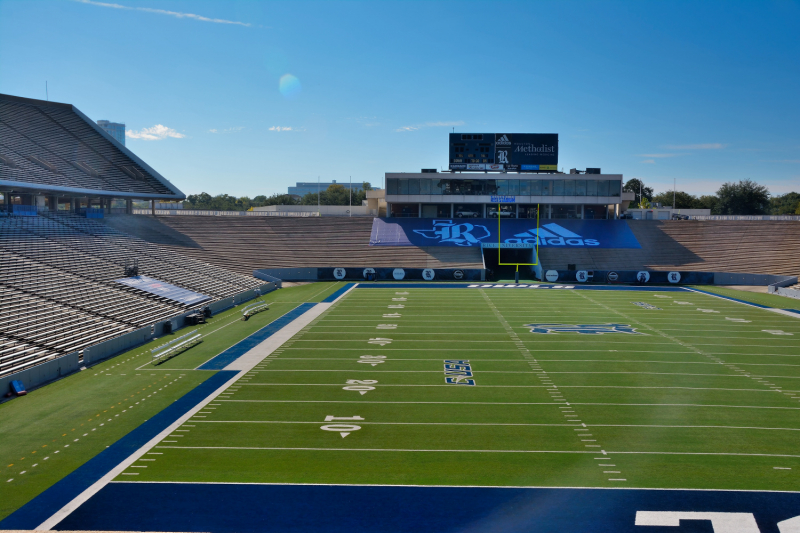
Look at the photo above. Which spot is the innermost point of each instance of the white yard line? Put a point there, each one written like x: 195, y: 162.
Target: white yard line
x: 449, y: 450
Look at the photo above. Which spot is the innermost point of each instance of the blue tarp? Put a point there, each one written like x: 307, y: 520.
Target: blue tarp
x: 477, y: 231
x: 165, y: 290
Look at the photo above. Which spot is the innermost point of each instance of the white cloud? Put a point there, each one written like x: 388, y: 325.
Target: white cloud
x: 176, y: 14
x: 649, y: 161
x: 280, y: 128
x: 156, y: 133
x: 709, y: 146
x: 227, y: 130
x: 659, y: 156
x: 431, y: 125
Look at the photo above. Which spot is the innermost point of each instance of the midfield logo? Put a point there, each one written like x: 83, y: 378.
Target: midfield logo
x: 586, y: 329
x: 553, y: 235
x: 459, y: 233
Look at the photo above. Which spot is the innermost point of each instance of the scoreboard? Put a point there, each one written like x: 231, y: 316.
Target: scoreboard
x: 516, y: 152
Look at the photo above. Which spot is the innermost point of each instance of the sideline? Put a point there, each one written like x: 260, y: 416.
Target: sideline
x: 75, y: 489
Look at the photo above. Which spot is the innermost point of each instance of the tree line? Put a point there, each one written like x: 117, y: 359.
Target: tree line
x: 743, y: 198
x: 335, y: 194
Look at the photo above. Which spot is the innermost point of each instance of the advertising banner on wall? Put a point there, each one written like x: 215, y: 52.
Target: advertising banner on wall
x: 565, y: 233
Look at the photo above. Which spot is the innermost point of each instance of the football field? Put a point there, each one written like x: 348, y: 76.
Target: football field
x: 495, y: 386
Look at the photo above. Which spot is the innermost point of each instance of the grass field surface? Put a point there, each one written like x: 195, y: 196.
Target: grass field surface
x: 467, y: 387
x: 56, y: 428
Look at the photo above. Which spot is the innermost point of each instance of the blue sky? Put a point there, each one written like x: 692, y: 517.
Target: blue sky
x: 249, y: 97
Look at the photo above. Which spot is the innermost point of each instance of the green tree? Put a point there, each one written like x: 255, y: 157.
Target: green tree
x: 785, y: 204
x: 683, y: 200
x: 335, y: 194
x: 744, y: 198
x: 637, y: 187
x: 708, y: 201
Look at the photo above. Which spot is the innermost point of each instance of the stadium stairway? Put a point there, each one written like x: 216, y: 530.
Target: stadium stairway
x: 762, y: 247
x: 247, y: 243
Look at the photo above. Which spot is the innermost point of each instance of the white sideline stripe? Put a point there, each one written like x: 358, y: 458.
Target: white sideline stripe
x: 298, y: 323
x: 496, y: 424
x: 442, y: 486
x: 257, y: 354
x: 772, y: 309
x: 734, y: 454
x: 529, y: 403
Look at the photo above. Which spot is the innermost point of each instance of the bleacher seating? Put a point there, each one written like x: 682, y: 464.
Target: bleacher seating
x: 244, y: 244
x: 50, y: 144
x: 761, y: 247
x: 57, y: 286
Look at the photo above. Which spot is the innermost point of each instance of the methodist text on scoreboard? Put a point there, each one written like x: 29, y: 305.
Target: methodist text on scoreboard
x: 517, y: 152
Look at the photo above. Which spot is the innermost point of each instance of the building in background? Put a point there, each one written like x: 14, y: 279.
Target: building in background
x: 115, y: 129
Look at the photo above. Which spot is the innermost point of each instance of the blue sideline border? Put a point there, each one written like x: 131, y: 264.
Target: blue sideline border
x: 68, y: 488
x: 337, y: 293
x: 230, y: 355
x: 246, y: 508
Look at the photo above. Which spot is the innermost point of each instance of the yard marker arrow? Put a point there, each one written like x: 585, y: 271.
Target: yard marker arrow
x: 344, y: 434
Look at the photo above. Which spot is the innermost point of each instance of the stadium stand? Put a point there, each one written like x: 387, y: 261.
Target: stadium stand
x: 765, y: 247
x: 58, y: 267
x: 54, y: 145
x: 244, y: 244
x: 57, y: 285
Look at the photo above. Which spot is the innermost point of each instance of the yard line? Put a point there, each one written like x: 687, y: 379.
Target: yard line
x: 515, y: 386
x: 427, y: 450
x: 526, y: 403
x: 549, y: 372
x: 363, y: 423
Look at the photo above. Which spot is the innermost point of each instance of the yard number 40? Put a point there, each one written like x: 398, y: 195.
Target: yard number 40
x: 343, y: 429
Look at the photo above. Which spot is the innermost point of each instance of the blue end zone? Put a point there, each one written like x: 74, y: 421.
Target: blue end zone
x: 338, y: 293
x: 333, y: 509
x: 242, y: 347
x: 520, y: 287
x: 53, y: 499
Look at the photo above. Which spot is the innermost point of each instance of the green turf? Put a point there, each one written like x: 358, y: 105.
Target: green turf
x: 697, y: 401
x: 58, y: 427
x: 760, y: 298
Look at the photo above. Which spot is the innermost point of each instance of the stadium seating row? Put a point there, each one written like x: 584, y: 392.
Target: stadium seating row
x: 763, y: 247
x: 244, y: 244
x: 59, y: 296
x: 75, y: 155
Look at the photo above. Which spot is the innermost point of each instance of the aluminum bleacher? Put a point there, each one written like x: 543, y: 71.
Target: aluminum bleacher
x: 765, y: 247
x: 245, y: 244
x: 55, y: 145
x: 58, y: 292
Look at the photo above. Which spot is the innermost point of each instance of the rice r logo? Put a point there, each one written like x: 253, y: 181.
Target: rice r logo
x: 460, y: 234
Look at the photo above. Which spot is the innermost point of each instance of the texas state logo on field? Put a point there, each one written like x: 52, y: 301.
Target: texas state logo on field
x: 586, y: 329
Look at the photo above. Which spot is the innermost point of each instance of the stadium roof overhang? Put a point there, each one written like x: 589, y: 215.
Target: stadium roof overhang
x: 123, y: 172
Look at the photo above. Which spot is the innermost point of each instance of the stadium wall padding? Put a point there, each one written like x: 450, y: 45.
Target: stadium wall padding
x: 357, y: 274
x: 43, y: 373
x: 629, y: 277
